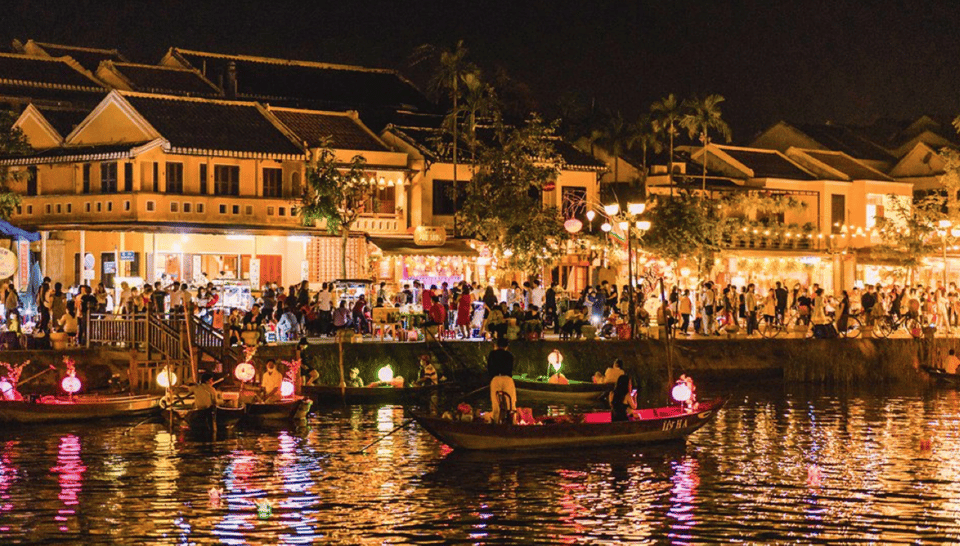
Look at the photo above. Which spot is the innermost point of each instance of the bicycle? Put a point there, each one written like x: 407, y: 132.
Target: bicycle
x: 887, y: 324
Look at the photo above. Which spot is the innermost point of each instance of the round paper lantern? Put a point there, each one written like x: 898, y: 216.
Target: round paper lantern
x: 681, y: 392
x: 286, y: 389
x: 245, y: 371
x: 70, y: 384
x: 166, y: 379
x: 555, y: 359
x: 6, y: 388
x: 573, y: 225
x: 385, y: 374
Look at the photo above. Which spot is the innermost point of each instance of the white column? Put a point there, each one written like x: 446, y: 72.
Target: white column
x: 83, y: 254
x: 43, y: 251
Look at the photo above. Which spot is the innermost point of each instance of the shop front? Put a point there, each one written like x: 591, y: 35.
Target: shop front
x: 399, y: 261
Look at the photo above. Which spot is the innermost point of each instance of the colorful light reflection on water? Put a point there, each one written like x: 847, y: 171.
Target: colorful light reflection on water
x: 889, y: 471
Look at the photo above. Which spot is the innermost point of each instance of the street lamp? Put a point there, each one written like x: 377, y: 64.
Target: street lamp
x: 628, y: 216
x: 945, y: 226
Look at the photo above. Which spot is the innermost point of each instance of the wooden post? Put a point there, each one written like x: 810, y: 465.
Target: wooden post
x: 188, y: 324
x: 667, y: 338
x: 343, y: 382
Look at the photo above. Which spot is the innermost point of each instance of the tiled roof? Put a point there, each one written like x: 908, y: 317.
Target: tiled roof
x: 308, y: 84
x: 39, y: 94
x: 574, y: 157
x: 63, y: 120
x: 766, y: 164
x: 344, y: 131
x: 88, y: 57
x: 73, y: 153
x: 20, y: 69
x: 847, y: 165
x: 842, y: 139
x: 168, y: 80
x: 199, y: 124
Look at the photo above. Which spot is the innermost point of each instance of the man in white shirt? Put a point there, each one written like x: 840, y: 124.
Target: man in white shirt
x: 325, y: 307
x: 270, y: 382
x: 175, y: 297
x: 537, y: 295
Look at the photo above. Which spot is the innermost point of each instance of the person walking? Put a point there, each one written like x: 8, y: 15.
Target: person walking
x: 464, y: 306
x: 685, y: 307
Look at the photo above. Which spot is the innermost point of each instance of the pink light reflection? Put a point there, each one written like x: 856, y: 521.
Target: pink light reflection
x: 683, y: 496
x: 70, y: 470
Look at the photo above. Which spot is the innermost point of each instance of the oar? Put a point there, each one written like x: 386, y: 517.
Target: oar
x: 129, y: 430
x: 408, y: 421
x: 36, y: 375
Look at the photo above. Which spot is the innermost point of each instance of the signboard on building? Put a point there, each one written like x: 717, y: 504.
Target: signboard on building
x: 429, y: 236
x: 255, y: 273
x: 109, y: 268
x: 23, y: 256
x: 8, y: 263
x: 127, y: 256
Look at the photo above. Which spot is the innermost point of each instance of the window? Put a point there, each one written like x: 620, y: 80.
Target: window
x: 236, y: 209
x: 199, y: 208
x: 128, y: 176
x: 838, y: 212
x: 186, y: 207
x: 295, y: 185
x: 32, y: 180
x: 283, y: 211
x: 69, y: 208
x: 203, y: 179
x: 382, y: 201
x: 87, y: 207
x: 443, y: 204
x: 248, y: 210
x: 86, y: 178
x: 99, y: 207
x: 49, y: 209
x: 272, y: 182
x: 108, y: 178
x: 573, y: 202
x: 29, y: 209
x: 126, y: 205
x: 59, y: 209
x: 270, y: 211
x: 174, y: 207
x: 223, y: 209
x: 175, y: 178
x: 156, y: 177
x: 226, y: 180
x: 109, y: 206
x: 151, y: 206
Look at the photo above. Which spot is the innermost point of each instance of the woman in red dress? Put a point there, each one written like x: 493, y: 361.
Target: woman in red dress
x: 464, y: 307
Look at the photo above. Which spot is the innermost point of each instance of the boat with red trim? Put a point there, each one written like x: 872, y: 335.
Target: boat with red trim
x: 86, y: 407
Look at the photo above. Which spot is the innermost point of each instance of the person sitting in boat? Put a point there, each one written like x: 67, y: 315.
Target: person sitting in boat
x: 428, y: 373
x: 205, y: 394
x: 500, y: 368
x: 598, y: 378
x: 622, y: 405
x: 951, y: 363
x: 270, y: 382
x: 614, y: 372
x: 558, y: 379
x: 355, y: 379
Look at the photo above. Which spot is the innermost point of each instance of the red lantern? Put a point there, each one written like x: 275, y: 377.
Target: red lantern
x: 245, y: 371
x: 70, y: 384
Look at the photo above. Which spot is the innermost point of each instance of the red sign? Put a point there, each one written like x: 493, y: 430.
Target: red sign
x: 550, y: 186
x: 23, y: 256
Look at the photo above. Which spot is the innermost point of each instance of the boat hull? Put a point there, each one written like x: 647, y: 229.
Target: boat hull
x: 667, y: 424
x: 573, y: 393
x: 942, y: 376
x: 280, y: 411
x: 204, y: 420
x: 79, y: 408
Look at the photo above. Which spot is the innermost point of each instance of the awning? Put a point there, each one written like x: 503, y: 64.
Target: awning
x: 9, y: 230
x: 405, y: 247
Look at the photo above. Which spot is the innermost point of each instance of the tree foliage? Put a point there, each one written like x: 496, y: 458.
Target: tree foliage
x: 12, y: 142
x: 503, y: 204
x: 335, y: 193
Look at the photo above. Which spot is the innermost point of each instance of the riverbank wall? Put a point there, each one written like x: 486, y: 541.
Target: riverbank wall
x: 838, y: 361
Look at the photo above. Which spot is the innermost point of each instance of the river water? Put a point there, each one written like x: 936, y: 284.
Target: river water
x: 797, y: 465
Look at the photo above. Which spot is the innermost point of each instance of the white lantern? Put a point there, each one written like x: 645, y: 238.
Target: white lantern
x: 166, y: 379
x: 636, y: 209
x: 286, y: 389
x: 681, y: 392
x: 385, y: 374
x: 611, y: 209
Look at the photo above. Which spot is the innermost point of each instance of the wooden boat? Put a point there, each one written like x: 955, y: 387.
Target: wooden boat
x: 205, y: 420
x: 328, y: 394
x: 576, y: 392
x: 285, y: 410
x: 51, y: 409
x: 594, y: 430
x: 942, y: 376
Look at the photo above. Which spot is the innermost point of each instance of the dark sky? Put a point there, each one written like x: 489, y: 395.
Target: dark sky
x: 840, y: 60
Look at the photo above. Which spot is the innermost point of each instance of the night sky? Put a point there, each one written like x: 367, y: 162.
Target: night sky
x: 814, y: 61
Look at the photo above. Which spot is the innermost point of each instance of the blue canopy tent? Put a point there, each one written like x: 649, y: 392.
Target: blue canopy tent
x: 11, y: 231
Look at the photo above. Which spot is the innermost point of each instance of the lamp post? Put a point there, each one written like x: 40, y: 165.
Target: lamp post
x: 944, y: 230
x: 626, y: 224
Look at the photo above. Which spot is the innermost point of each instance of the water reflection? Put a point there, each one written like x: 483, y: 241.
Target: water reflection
x: 889, y: 472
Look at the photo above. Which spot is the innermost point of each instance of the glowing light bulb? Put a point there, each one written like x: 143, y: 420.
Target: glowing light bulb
x: 681, y: 392
x: 245, y: 371
x: 286, y: 389
x: 385, y: 374
x: 166, y: 379
x: 70, y: 384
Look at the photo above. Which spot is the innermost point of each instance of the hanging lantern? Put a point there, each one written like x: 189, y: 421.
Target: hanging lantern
x: 70, y: 384
x: 555, y: 358
x: 245, y: 371
x: 166, y: 379
x: 6, y: 389
x: 606, y: 227
x: 573, y: 225
x: 385, y: 374
x: 286, y: 389
x: 681, y: 392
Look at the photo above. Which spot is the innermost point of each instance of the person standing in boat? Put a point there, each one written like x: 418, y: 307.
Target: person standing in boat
x: 205, y: 394
x: 270, y: 382
x: 951, y: 363
x: 500, y: 368
x: 622, y: 405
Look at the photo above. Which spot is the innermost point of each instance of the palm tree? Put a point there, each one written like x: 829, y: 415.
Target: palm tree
x: 704, y: 115
x: 479, y: 101
x: 647, y: 139
x: 666, y: 115
x: 452, y: 67
x: 617, y: 136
